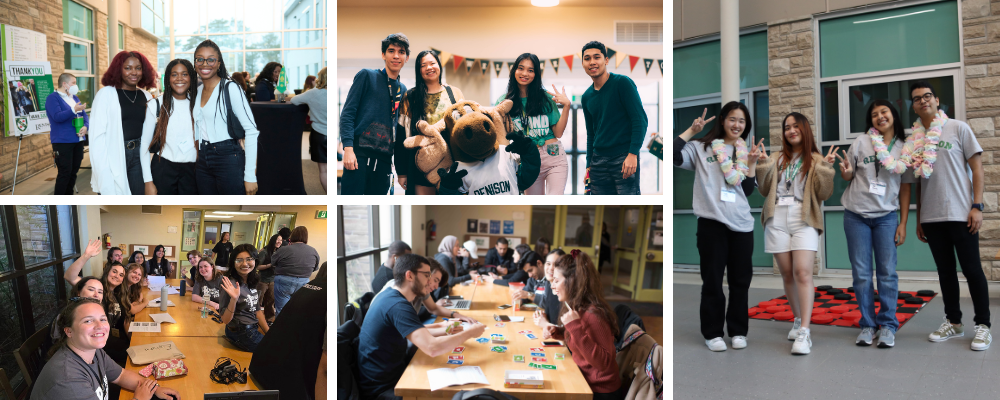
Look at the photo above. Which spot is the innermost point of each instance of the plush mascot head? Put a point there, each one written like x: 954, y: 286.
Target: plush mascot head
x: 476, y: 132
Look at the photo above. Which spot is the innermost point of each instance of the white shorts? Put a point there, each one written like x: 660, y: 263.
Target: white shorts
x: 787, y: 231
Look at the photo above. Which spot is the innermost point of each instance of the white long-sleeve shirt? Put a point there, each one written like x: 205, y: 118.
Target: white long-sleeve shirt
x: 179, y: 146
x: 210, y: 123
x: 107, y: 143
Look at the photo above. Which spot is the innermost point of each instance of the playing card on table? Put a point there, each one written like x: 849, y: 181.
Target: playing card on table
x: 533, y: 354
x: 538, y: 349
x: 533, y: 365
x: 482, y: 340
x: 499, y: 324
x: 521, y: 332
x: 458, y: 350
x: 528, y: 331
x: 560, y: 356
x: 457, y: 362
x: 548, y: 366
x: 499, y: 349
x: 519, y: 359
x: 539, y: 359
x: 532, y: 336
x: 456, y: 357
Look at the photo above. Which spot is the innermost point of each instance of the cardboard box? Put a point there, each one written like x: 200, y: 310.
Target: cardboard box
x: 523, y: 379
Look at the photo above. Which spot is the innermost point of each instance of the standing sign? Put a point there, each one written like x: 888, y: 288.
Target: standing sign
x: 26, y: 85
x: 282, y: 81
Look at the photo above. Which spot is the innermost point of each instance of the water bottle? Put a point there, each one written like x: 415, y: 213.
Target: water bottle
x: 204, y: 307
x: 163, y: 298
x: 183, y: 286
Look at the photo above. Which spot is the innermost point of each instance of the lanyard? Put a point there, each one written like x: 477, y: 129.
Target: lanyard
x: 393, y: 99
x: 791, y: 172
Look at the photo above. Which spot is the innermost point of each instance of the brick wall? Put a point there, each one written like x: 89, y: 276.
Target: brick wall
x: 46, y: 16
x: 981, y: 47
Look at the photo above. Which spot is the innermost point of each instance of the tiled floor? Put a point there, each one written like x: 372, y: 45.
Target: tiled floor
x: 836, y: 369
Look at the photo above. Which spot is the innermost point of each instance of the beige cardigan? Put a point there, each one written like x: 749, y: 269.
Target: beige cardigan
x: 819, y: 187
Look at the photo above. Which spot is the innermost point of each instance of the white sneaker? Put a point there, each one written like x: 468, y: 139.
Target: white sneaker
x: 739, y: 342
x: 979, y: 343
x: 794, y: 333
x: 716, y: 344
x: 803, y: 343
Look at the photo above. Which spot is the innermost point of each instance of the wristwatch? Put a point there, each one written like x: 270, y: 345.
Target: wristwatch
x: 452, y: 315
x: 978, y: 206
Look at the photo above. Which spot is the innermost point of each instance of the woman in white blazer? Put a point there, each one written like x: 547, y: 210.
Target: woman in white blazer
x: 117, y: 118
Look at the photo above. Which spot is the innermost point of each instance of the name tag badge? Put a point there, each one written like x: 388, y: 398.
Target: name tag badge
x: 728, y: 195
x: 877, y: 188
x: 786, y: 200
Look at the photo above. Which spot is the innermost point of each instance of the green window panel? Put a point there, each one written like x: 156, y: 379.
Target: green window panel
x: 898, y: 93
x: 761, y: 121
x: 686, y: 241
x: 698, y: 69
x: 77, y: 20
x: 913, y: 255
x: 829, y: 106
x: 916, y: 36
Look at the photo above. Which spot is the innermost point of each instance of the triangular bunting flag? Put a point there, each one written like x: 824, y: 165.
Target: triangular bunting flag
x: 648, y: 63
x: 569, y: 62
x: 611, y: 53
x: 632, y: 60
x: 541, y: 64
x: 661, y: 66
x: 555, y: 65
x: 468, y: 64
x: 620, y: 57
x: 436, y: 52
x: 510, y: 66
x: 445, y: 57
x: 484, y: 65
x: 457, y: 60
x: 497, y: 65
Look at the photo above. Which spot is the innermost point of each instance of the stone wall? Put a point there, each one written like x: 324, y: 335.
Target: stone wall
x: 981, y: 48
x: 790, y: 79
x: 46, y: 16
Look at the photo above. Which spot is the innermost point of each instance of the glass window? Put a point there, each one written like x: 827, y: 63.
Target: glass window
x: 684, y: 179
x: 270, y: 40
x: 256, y: 60
x: 913, y: 255
x: 86, y: 93
x: 655, y: 229
x: 77, y: 20
x: 146, y: 15
x: 187, y: 43
x: 631, y: 226
x: 44, y: 296
x: 685, y: 241
x: 296, y: 59
x: 543, y: 223
x: 357, y: 229
x: 5, y: 264
x: 761, y: 120
x: 652, y: 276
x: 185, y: 26
x: 228, y: 42
x: 898, y: 93
x: 906, y: 41
x: 33, y: 224
x: 359, y: 276
x: 77, y: 56
x: 697, y: 67
x: 829, y: 105
x: 67, y: 230
x: 10, y: 330
x: 261, y: 15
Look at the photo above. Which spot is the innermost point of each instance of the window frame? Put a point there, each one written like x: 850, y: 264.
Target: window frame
x: 91, y: 53
x: 374, y: 251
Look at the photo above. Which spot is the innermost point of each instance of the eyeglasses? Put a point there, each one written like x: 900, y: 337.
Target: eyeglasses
x: 243, y: 260
x: 210, y: 61
x: 926, y: 97
x: 427, y: 274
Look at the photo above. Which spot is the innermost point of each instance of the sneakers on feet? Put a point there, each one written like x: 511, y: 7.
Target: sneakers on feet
x: 982, y: 339
x: 794, y: 333
x: 865, y: 337
x: 886, y: 338
x: 803, y: 343
x: 739, y: 342
x: 716, y: 344
x: 946, y: 331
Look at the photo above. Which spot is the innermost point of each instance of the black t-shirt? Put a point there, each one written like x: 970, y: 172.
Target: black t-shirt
x: 157, y: 269
x: 287, y: 357
x: 67, y: 376
x: 133, y: 104
x: 222, y: 250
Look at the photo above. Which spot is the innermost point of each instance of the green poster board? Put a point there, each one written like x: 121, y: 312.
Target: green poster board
x: 26, y: 86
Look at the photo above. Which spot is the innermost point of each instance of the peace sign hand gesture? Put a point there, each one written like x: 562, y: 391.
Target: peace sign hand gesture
x: 830, y: 156
x: 699, y: 123
x: 845, y: 167
x: 757, y: 153
x: 559, y: 98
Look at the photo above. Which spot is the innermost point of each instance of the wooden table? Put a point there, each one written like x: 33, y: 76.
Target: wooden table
x: 566, y: 382
x: 201, y: 340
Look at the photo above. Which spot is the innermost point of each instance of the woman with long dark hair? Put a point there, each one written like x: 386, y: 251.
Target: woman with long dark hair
x: 238, y: 300
x: 795, y: 184
x: 873, y: 170
x: 535, y: 113
x: 426, y: 101
x: 158, y: 264
x: 227, y: 149
x: 266, y: 286
x: 267, y: 80
x: 589, y: 324
x: 723, y: 178
x: 222, y: 250
x: 117, y: 120
x: 136, y: 258
x: 172, y: 168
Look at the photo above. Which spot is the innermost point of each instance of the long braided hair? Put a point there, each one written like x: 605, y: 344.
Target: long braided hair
x: 166, y: 109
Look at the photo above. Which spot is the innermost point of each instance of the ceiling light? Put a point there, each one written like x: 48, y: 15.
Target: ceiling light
x: 232, y: 212
x: 219, y: 216
x: 545, y: 3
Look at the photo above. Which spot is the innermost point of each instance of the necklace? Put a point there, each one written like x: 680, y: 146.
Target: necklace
x: 133, y: 98
x: 734, y: 176
x: 920, y: 151
x: 878, y: 142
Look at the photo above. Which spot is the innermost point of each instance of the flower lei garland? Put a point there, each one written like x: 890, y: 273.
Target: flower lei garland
x: 734, y: 176
x: 890, y: 164
x: 920, y: 151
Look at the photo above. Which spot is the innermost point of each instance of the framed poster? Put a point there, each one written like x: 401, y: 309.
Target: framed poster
x: 482, y: 242
x: 145, y: 250
x: 472, y: 226
x: 484, y: 227
x: 508, y: 227
x: 494, y: 227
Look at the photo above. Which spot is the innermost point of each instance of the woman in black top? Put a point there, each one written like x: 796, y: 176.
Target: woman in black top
x: 222, y: 250
x: 239, y: 300
x: 266, y: 81
x: 136, y: 258
x: 118, y: 309
x: 266, y: 285
x: 158, y: 264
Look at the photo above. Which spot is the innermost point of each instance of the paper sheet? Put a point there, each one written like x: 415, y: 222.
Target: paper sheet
x: 162, y: 318
x: 156, y: 282
x: 516, y: 319
x: 144, y: 327
x: 156, y: 303
x: 444, y: 377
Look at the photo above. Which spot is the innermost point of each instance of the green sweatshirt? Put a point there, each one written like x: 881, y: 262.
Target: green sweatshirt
x: 615, y: 120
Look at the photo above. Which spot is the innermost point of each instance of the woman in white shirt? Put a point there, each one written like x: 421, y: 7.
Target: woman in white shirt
x: 222, y: 155
x: 117, y: 120
x: 316, y: 100
x: 171, y: 139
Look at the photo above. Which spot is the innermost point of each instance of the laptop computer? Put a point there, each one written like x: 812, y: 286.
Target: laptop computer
x: 460, y: 305
x: 252, y: 395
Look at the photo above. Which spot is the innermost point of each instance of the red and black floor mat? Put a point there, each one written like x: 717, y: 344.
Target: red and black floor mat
x: 839, y: 307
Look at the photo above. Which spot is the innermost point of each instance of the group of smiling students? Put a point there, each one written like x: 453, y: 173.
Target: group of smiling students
x: 942, y: 156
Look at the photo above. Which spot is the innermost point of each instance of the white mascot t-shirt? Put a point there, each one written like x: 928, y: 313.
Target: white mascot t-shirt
x: 497, y: 175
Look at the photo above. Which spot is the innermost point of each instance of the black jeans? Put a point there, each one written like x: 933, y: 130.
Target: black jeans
x: 68, y: 158
x: 173, y: 178
x: 220, y: 168
x: 606, y: 176
x: 133, y: 169
x: 945, y: 240
x: 720, y: 249
x: 371, y: 177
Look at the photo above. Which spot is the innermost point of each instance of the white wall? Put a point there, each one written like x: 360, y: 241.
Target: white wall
x: 452, y: 220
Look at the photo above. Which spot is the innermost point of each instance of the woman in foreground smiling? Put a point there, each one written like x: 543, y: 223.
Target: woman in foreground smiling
x: 80, y: 369
x: 240, y: 300
x: 171, y: 138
